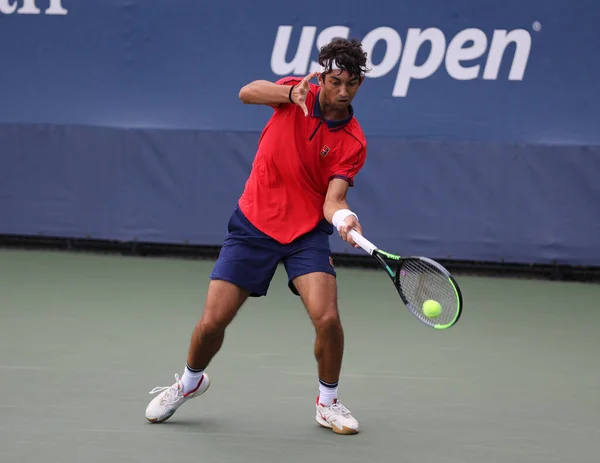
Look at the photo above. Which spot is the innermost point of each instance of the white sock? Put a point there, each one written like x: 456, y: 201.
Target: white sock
x: 191, y: 378
x: 327, y: 392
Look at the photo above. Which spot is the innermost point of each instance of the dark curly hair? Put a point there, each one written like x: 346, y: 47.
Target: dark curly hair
x: 347, y: 55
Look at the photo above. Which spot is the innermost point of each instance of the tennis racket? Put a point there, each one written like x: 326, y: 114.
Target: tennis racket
x: 417, y: 280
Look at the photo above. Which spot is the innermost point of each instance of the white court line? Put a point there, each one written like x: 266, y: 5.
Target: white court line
x: 290, y: 373
x: 270, y: 437
x: 25, y: 367
x: 383, y: 376
x: 66, y: 370
x: 538, y: 449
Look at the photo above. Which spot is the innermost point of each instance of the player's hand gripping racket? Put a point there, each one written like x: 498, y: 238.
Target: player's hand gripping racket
x: 420, y: 282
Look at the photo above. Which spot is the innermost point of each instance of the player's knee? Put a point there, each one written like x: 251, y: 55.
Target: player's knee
x: 328, y: 322
x: 211, y: 328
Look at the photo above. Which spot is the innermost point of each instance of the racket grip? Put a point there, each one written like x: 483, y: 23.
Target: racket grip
x: 363, y: 242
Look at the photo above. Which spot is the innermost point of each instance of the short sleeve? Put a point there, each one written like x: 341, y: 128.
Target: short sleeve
x: 350, y: 165
x: 288, y: 81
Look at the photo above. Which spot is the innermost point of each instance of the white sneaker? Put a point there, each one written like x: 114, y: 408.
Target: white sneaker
x: 336, y: 417
x: 171, y: 398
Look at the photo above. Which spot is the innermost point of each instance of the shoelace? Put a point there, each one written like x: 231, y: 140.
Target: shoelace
x: 173, y: 394
x: 339, y: 409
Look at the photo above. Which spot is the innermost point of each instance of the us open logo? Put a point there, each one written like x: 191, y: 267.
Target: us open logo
x: 496, y: 49
x: 54, y: 7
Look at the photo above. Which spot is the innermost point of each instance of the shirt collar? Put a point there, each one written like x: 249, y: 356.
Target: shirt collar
x: 332, y: 125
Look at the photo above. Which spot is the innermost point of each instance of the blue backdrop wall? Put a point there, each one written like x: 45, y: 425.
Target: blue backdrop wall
x: 121, y: 119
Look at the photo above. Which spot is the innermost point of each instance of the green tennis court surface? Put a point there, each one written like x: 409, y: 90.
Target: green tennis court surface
x: 83, y: 338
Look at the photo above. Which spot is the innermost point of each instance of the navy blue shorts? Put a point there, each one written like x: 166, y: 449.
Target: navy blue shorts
x: 249, y: 258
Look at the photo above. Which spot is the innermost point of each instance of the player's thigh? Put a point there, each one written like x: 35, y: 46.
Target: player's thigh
x: 223, y: 300
x: 246, y: 265
x: 248, y: 258
x: 309, y: 254
x: 311, y: 275
x: 318, y: 291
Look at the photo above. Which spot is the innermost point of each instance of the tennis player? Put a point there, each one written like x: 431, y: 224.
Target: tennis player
x: 308, y: 155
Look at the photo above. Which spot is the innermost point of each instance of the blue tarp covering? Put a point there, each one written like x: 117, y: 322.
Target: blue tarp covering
x: 121, y: 120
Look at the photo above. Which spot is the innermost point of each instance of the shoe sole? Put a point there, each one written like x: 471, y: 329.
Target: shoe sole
x: 344, y: 431
x: 156, y: 420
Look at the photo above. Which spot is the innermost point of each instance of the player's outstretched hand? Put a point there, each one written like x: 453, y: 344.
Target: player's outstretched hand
x: 350, y: 223
x: 301, y: 90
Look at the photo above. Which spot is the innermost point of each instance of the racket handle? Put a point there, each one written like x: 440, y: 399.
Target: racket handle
x: 363, y: 242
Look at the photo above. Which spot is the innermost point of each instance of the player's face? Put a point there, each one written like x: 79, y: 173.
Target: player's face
x: 339, y: 88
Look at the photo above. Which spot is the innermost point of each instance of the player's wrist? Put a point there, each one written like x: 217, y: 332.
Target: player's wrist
x: 340, y: 216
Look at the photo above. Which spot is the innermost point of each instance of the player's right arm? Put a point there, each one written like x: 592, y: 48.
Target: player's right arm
x: 335, y: 208
x: 271, y: 94
x: 337, y: 212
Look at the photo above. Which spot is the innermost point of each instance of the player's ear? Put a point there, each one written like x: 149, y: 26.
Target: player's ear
x: 321, y: 78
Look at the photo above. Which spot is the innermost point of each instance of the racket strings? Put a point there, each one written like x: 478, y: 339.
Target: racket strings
x: 420, y: 281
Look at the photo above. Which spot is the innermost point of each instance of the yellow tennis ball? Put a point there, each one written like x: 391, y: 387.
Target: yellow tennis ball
x: 432, y: 308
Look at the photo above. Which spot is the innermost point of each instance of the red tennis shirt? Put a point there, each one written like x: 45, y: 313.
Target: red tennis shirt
x: 297, y: 157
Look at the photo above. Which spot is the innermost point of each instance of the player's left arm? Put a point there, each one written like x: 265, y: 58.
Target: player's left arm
x: 335, y: 207
x: 277, y: 93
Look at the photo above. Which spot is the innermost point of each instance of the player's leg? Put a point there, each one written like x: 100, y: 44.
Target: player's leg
x: 245, y: 267
x: 318, y: 292
x: 223, y: 301
x: 313, y: 278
